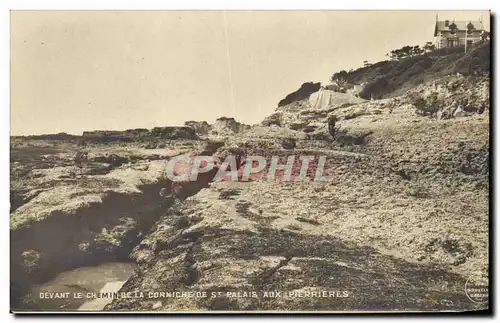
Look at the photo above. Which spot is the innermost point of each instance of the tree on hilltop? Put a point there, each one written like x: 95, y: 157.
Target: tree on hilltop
x: 340, y: 78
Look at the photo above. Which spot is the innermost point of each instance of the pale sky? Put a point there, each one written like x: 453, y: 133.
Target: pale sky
x: 89, y: 70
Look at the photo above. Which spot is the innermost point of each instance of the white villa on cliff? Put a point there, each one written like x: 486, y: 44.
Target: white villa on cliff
x: 451, y: 33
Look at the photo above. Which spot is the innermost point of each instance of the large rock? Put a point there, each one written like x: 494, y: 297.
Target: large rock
x: 273, y: 119
x: 288, y: 143
x: 309, y: 113
x: 225, y: 126
x: 302, y: 93
x: 200, y: 127
x: 112, y: 159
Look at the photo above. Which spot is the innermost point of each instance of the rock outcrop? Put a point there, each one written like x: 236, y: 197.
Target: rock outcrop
x: 302, y: 93
x: 225, y: 126
x: 174, y: 133
x: 310, y: 114
x: 200, y: 127
x: 451, y: 96
x: 273, y: 119
x: 134, y: 135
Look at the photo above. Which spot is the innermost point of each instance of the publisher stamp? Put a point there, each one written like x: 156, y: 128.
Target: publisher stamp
x: 477, y: 288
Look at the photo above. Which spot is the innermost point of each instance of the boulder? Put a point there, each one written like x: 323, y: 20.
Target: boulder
x: 228, y: 126
x: 309, y: 128
x: 200, y: 127
x: 288, y: 143
x: 95, y: 168
x: 273, y: 119
x: 302, y: 93
x: 459, y: 112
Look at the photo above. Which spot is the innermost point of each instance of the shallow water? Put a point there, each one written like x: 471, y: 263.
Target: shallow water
x: 63, y: 292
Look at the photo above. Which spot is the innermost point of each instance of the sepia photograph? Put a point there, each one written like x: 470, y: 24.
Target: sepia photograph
x: 250, y: 161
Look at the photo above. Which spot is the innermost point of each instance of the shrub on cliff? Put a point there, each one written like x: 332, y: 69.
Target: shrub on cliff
x: 391, y: 78
x: 303, y: 93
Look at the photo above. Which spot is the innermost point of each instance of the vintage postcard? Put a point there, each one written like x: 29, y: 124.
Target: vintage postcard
x: 250, y: 161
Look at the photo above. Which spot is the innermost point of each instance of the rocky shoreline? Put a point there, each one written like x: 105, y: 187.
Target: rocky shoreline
x: 402, y: 225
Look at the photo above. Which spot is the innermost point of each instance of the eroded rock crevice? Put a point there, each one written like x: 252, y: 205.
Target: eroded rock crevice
x: 99, y: 233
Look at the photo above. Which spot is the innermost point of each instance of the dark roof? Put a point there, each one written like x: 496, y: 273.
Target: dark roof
x: 461, y: 25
